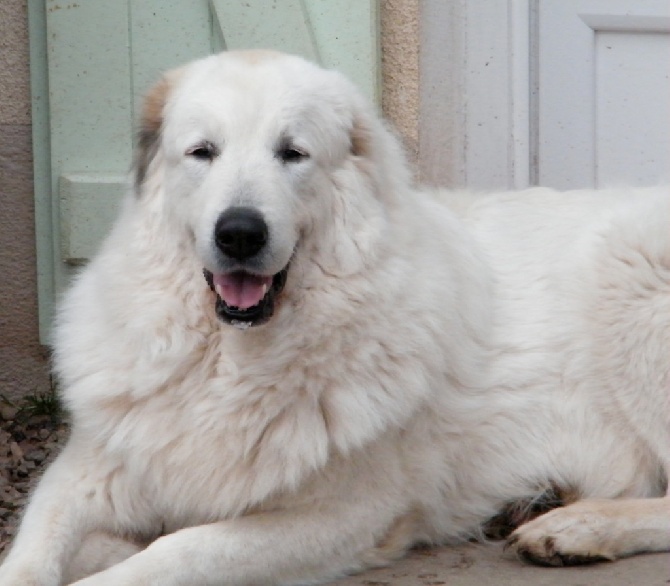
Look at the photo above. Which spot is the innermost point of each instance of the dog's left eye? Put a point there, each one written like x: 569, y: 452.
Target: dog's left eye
x: 204, y: 151
x: 291, y: 154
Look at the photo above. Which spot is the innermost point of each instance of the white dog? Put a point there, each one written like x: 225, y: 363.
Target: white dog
x: 362, y: 367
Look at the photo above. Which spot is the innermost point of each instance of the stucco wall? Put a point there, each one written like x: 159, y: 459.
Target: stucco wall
x: 23, y: 361
x: 400, y: 69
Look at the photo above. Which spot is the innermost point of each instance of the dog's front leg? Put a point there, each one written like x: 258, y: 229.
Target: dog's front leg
x: 63, y: 508
x: 288, y: 547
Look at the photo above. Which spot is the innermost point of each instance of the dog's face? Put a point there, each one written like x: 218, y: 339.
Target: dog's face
x: 250, y: 147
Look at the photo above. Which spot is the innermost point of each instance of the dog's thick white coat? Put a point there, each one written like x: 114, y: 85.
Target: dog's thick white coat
x: 433, y: 357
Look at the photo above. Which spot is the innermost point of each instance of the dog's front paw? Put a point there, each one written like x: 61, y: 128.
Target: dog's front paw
x: 12, y: 574
x: 123, y: 574
x: 576, y: 534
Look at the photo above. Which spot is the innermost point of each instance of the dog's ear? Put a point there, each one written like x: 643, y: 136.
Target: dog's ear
x: 361, y: 137
x: 151, y: 123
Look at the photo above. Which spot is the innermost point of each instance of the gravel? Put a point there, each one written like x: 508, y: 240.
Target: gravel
x: 28, y: 442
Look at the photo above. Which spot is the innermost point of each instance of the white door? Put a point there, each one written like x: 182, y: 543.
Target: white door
x: 603, y: 99
x: 562, y: 93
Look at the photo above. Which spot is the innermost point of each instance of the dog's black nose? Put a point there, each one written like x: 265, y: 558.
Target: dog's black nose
x: 240, y: 232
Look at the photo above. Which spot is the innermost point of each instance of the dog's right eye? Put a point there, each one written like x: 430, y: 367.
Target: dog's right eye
x: 204, y: 151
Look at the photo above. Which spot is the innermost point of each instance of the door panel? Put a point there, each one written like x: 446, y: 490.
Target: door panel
x: 632, y: 108
x: 603, y: 92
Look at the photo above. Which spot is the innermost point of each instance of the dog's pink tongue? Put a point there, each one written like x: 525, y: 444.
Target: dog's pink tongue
x: 241, y: 289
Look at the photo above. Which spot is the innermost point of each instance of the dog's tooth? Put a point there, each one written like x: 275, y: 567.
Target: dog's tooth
x: 219, y: 290
x: 265, y: 289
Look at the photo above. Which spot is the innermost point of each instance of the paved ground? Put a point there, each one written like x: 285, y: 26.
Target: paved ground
x: 475, y: 565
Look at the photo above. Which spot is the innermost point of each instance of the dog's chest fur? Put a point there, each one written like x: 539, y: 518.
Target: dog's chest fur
x: 240, y: 422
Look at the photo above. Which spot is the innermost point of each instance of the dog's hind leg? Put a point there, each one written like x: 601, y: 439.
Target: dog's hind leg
x: 595, y: 530
x: 629, y: 321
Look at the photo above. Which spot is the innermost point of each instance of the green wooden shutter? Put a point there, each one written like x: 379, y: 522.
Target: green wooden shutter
x: 91, y: 62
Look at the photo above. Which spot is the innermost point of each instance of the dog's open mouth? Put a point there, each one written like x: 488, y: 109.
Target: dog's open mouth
x: 244, y: 299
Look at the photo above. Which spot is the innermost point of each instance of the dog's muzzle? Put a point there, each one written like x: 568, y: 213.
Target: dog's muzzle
x: 244, y: 298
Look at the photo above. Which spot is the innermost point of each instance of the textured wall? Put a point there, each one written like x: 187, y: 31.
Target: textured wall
x: 400, y: 69
x: 23, y: 363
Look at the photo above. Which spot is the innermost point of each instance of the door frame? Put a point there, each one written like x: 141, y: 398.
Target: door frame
x: 477, y: 93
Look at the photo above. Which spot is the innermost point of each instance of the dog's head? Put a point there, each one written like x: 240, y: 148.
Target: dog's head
x: 261, y: 158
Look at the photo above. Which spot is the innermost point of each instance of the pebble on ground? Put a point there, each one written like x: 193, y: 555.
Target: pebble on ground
x: 27, y: 444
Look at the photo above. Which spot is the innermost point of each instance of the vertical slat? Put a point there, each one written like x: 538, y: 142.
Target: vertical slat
x: 89, y: 82
x: 347, y: 37
x: 44, y: 236
x: 566, y: 97
x: 252, y: 24
x: 89, y: 93
x: 343, y: 35
x: 488, y: 123
x: 442, y: 79
x: 165, y: 34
